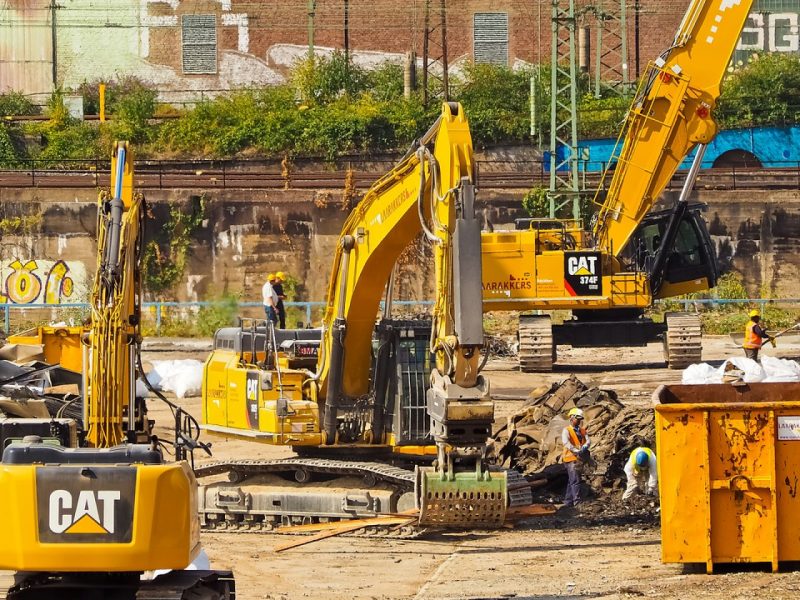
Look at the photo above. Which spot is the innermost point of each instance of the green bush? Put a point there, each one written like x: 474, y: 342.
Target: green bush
x: 16, y: 104
x: 764, y: 92
x: 496, y: 100
x: 221, y: 313
x: 536, y: 203
x: 8, y: 154
x: 321, y: 80
x: 134, y: 104
x: 601, y: 117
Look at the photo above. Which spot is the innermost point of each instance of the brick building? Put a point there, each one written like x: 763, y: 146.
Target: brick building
x: 189, y: 47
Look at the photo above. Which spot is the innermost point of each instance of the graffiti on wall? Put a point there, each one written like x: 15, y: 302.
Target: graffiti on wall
x: 770, y: 32
x: 41, y: 282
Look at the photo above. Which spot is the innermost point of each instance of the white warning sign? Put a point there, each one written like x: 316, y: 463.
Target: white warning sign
x: 789, y: 428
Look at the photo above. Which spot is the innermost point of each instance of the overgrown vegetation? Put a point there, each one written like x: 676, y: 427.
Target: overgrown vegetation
x: 764, y: 92
x: 731, y: 317
x: 331, y: 107
x: 164, y: 257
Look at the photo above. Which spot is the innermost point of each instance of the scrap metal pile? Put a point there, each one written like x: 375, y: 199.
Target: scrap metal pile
x: 33, y: 389
x: 531, y: 439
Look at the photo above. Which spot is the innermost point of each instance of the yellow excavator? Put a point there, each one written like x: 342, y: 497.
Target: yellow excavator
x: 382, y: 399
x: 393, y: 416
x: 610, y: 275
x: 89, y: 521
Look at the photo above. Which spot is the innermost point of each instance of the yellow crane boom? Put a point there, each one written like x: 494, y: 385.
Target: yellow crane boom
x: 672, y: 112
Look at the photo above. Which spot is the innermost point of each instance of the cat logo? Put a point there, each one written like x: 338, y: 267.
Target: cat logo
x: 85, y: 505
x: 581, y: 265
x: 583, y: 274
x: 91, y: 512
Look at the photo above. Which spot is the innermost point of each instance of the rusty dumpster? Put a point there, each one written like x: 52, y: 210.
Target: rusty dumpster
x: 728, y: 461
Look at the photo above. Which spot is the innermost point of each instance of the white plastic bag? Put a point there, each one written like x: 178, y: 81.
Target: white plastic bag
x: 184, y: 377
x: 780, y: 369
x: 699, y: 374
x: 753, y: 373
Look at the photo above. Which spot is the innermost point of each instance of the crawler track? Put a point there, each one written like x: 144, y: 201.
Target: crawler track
x: 537, y: 353
x: 683, y: 340
x: 248, y: 503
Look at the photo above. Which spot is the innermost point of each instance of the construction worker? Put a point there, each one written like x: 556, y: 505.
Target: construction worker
x: 576, y: 446
x: 641, y: 473
x: 280, y: 277
x: 754, y: 336
x: 270, y: 299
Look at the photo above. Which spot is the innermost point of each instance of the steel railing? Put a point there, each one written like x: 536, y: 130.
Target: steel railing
x: 160, y: 308
x: 263, y: 174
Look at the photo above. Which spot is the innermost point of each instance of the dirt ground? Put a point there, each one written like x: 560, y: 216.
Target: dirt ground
x: 560, y: 556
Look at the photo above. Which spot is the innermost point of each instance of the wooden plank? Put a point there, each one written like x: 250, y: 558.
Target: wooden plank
x: 346, y: 526
x: 534, y: 510
x: 384, y: 519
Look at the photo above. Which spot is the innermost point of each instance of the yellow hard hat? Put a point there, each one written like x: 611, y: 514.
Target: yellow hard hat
x: 754, y: 313
x: 271, y: 277
x: 280, y: 275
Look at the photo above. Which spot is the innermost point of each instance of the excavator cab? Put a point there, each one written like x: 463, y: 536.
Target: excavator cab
x: 690, y: 265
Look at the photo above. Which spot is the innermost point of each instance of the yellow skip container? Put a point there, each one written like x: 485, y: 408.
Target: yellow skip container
x: 729, y: 472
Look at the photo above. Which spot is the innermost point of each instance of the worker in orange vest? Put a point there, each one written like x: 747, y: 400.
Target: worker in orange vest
x: 576, y: 448
x: 754, y: 336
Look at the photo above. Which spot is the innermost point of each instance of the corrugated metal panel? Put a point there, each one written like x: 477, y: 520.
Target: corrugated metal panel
x: 26, y: 51
x: 490, y: 38
x: 199, y: 44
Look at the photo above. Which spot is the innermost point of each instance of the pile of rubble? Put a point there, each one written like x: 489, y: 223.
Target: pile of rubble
x: 531, y: 439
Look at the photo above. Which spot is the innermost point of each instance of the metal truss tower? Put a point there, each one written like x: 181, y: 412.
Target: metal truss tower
x: 564, y: 180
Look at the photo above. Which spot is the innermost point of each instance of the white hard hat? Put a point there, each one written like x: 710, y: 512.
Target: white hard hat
x: 576, y: 412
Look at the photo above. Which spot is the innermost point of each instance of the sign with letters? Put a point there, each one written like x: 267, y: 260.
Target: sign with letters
x: 85, y: 504
x: 583, y: 274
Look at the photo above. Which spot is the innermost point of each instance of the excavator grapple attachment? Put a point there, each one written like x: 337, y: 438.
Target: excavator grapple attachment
x: 462, y: 499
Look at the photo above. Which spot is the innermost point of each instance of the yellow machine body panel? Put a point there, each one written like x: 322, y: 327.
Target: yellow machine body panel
x: 519, y: 274
x: 243, y: 399
x: 60, y: 345
x: 98, y: 517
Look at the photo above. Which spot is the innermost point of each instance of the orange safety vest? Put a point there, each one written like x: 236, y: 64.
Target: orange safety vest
x: 577, y: 441
x: 751, y: 339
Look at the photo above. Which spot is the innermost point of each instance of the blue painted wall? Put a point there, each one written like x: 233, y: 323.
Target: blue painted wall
x: 773, y: 146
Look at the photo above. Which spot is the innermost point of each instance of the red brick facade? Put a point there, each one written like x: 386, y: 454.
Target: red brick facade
x: 393, y: 27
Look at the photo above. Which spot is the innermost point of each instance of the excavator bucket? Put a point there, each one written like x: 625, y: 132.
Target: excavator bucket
x: 465, y: 499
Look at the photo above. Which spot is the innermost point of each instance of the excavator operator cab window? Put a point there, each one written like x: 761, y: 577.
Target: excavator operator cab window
x: 692, y: 255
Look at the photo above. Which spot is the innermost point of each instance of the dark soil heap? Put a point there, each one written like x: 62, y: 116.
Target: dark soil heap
x: 531, y: 439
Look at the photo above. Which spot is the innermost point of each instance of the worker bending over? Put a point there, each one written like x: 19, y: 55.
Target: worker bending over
x: 641, y: 473
x: 576, y: 450
x: 754, y: 336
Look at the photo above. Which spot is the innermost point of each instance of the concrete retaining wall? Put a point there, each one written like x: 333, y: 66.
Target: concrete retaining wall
x: 249, y: 233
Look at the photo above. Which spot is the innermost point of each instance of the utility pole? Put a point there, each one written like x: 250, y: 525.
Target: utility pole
x: 445, y: 66
x: 347, y: 32
x: 425, y: 35
x: 611, y: 44
x: 636, y: 10
x: 434, y: 50
x: 54, y: 41
x: 312, y: 7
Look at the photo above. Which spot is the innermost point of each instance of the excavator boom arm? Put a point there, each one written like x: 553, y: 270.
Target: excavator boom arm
x: 670, y: 115
x: 418, y: 196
